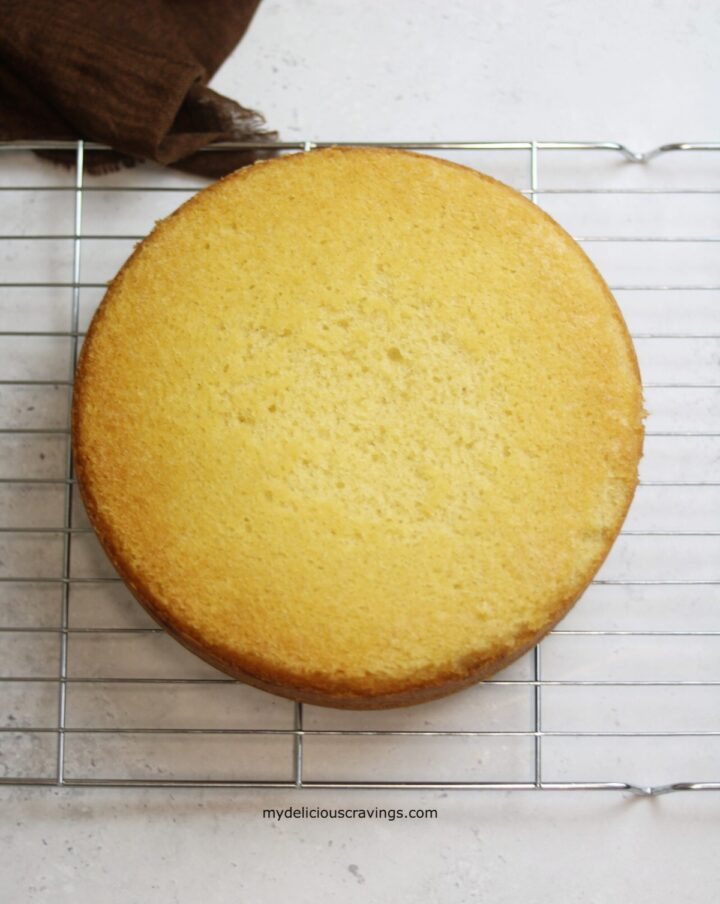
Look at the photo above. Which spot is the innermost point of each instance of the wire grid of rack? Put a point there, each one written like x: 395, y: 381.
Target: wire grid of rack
x: 623, y: 695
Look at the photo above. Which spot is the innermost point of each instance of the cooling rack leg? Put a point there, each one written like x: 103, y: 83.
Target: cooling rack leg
x: 68, y: 509
x: 537, y: 706
x: 298, y: 749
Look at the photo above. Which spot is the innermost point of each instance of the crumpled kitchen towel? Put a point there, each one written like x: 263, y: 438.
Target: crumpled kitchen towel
x: 131, y: 74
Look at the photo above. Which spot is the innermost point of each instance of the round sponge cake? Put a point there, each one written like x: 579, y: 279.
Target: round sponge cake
x: 358, y: 426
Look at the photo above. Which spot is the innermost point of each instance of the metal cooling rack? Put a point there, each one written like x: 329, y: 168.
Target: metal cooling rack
x: 625, y: 695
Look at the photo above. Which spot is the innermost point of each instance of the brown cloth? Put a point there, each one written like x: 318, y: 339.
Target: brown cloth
x: 131, y: 74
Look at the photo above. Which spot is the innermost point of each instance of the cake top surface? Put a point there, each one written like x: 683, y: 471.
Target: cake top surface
x: 358, y: 420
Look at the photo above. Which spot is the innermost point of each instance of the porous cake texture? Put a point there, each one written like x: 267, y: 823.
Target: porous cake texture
x: 358, y: 426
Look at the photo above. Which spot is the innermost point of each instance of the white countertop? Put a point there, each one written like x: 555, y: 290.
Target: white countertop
x: 641, y: 73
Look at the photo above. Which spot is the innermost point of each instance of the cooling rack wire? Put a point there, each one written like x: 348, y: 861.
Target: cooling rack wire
x: 624, y: 695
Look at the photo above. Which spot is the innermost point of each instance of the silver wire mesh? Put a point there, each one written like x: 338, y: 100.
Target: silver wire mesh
x: 625, y: 695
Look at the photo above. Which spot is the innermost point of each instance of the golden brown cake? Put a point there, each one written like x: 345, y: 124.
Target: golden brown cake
x: 358, y: 426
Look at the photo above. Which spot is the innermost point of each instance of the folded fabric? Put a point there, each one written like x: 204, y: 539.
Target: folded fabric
x: 131, y: 74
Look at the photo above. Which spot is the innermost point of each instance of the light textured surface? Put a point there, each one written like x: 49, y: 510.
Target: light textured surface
x: 643, y: 73
x: 169, y: 847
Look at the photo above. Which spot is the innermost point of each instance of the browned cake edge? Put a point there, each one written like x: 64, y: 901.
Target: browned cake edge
x: 319, y: 688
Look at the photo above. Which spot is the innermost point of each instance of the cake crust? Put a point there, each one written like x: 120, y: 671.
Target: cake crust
x: 321, y: 687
